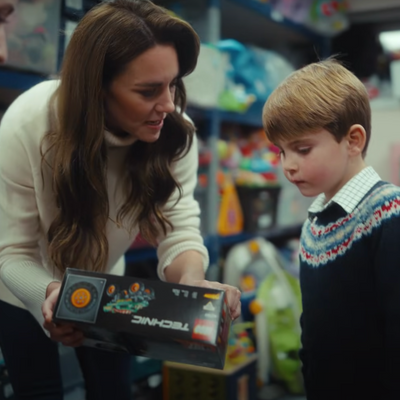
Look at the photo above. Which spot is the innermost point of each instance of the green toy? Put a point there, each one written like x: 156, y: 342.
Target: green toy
x: 283, y: 330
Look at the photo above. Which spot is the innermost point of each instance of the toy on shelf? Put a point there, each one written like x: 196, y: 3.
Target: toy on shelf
x: 252, y: 162
x: 205, y: 155
x: 230, y: 219
x: 329, y: 17
x: 325, y: 17
x: 33, y: 36
x: 325, y: 8
x: 246, y: 266
x: 278, y: 303
x: 251, y: 75
x: 255, y: 271
x: 271, y: 300
x: 240, y: 345
x: 237, y: 261
x: 259, y: 161
x: 229, y: 154
x: 295, y: 10
x: 238, y: 94
x: 252, y: 159
x: 207, y: 82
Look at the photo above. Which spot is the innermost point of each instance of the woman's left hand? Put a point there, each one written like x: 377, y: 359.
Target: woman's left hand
x: 232, y: 293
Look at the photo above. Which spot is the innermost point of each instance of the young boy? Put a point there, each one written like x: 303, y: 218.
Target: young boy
x: 350, y: 245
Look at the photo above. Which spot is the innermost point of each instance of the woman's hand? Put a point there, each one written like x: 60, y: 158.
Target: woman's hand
x: 232, y: 293
x: 66, y: 334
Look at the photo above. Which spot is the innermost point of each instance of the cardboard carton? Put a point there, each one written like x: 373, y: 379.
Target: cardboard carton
x: 152, y: 319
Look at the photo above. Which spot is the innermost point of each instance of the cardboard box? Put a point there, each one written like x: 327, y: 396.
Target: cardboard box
x: 234, y: 382
x: 148, y: 318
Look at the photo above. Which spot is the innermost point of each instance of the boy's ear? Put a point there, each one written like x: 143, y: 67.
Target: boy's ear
x: 356, y: 138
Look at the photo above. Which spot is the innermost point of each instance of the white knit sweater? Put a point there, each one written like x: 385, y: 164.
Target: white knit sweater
x: 27, y: 208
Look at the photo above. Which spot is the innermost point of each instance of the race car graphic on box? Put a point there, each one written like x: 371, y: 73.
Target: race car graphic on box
x: 128, y: 301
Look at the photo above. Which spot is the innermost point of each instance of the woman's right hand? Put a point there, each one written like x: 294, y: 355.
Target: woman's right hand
x: 64, y: 333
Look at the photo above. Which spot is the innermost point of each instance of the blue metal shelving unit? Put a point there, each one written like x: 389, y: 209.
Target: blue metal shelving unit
x: 20, y: 81
x: 265, y: 9
x: 251, y: 117
x: 269, y: 234
x: 140, y: 254
x: 215, y: 242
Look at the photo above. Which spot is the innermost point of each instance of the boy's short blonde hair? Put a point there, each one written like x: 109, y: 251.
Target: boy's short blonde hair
x: 320, y: 95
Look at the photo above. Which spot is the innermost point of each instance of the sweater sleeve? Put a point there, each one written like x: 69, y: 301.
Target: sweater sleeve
x: 21, y: 267
x: 387, y: 270
x: 184, y: 215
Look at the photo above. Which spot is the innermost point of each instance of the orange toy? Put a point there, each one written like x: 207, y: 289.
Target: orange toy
x: 230, y: 220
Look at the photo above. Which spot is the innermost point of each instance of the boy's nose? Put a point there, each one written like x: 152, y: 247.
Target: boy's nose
x: 289, y: 165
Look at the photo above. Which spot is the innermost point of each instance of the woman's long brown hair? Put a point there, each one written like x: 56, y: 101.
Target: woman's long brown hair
x: 109, y: 37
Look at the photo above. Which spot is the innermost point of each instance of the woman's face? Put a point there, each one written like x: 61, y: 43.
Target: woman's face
x: 6, y: 10
x: 138, y: 100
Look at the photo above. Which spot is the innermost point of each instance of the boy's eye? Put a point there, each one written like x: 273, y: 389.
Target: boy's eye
x: 304, y: 150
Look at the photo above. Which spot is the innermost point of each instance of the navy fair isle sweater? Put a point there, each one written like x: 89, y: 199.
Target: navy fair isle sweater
x: 350, y: 281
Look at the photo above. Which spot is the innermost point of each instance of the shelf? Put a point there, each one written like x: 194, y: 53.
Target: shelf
x: 18, y: 80
x: 265, y: 10
x: 141, y: 254
x: 252, y: 117
x: 150, y: 254
x: 290, y: 231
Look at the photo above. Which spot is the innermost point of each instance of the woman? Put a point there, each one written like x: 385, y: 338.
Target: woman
x: 85, y: 164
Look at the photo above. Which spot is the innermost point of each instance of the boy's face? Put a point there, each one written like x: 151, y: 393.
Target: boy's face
x: 316, y: 163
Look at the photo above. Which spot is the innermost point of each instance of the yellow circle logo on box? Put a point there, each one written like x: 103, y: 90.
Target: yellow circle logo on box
x: 81, y: 298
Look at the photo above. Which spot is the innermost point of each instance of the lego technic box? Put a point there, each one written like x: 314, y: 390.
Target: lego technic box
x: 152, y: 319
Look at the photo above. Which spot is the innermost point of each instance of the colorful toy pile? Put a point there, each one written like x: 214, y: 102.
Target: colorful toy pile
x: 251, y: 160
x: 248, y: 182
x: 240, y: 345
x: 326, y: 17
x: 271, y: 300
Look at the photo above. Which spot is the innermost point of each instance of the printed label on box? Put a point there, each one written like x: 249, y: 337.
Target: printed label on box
x: 204, y: 330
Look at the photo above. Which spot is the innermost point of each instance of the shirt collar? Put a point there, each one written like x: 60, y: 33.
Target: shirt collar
x: 116, y: 141
x: 350, y: 194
